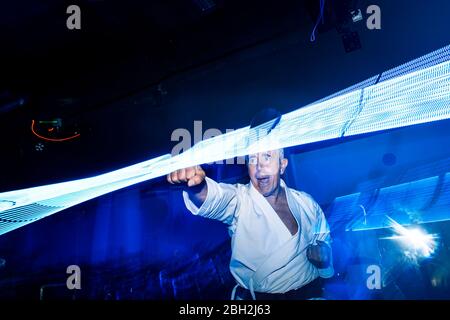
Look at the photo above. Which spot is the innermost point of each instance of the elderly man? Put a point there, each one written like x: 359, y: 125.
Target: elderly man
x: 279, y: 236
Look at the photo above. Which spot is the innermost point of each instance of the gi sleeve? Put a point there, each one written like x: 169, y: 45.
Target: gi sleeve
x: 221, y: 202
x: 322, y: 233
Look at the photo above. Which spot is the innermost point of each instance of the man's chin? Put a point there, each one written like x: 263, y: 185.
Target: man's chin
x: 266, y: 192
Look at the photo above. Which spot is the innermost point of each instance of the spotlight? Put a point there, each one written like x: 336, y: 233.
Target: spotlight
x: 417, y: 242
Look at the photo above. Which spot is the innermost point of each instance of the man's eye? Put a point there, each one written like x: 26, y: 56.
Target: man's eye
x: 252, y: 160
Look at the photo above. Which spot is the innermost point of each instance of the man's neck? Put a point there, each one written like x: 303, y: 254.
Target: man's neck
x: 276, y: 195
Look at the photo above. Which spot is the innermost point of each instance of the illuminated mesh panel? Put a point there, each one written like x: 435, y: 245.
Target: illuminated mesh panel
x: 440, y: 207
x: 428, y: 60
x: 363, y: 84
x: 343, y: 211
x: 428, y: 169
x: 20, y: 216
x: 419, y: 97
x: 17, y: 217
x: 422, y: 201
x: 314, y: 123
x: 431, y: 59
x: 36, y: 203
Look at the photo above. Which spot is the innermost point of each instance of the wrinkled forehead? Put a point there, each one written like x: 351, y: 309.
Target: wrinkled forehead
x: 276, y: 152
x: 271, y: 152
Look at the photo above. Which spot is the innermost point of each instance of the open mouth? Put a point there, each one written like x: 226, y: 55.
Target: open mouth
x: 263, y: 180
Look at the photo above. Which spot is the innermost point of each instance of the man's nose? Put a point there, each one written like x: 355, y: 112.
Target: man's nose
x: 260, y: 163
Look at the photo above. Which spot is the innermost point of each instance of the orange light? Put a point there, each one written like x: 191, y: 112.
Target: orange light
x: 51, y: 139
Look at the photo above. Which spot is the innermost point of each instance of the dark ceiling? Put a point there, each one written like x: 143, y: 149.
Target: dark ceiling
x: 122, y: 50
x: 141, y: 41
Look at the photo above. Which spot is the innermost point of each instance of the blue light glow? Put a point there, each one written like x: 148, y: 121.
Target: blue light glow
x: 417, y: 243
x: 415, y: 93
x: 408, y: 203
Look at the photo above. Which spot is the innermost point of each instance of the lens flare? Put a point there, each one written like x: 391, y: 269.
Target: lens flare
x: 417, y: 242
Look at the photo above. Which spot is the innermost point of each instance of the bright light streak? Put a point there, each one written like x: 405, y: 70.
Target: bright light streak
x: 418, y: 92
x: 417, y: 242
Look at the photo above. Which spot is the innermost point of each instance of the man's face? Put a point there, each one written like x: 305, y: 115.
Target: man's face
x: 265, y: 169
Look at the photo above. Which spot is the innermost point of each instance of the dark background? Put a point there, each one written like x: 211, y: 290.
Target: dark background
x: 134, y: 73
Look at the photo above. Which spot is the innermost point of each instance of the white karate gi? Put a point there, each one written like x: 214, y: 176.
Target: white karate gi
x: 265, y: 256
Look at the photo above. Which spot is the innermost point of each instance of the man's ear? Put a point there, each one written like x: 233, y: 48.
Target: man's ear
x: 283, y: 164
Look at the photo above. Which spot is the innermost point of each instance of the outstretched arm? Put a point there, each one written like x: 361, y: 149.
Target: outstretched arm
x: 205, y: 197
x: 193, y: 179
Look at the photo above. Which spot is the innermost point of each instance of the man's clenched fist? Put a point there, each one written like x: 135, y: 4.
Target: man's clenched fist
x: 319, y: 254
x: 192, y: 175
